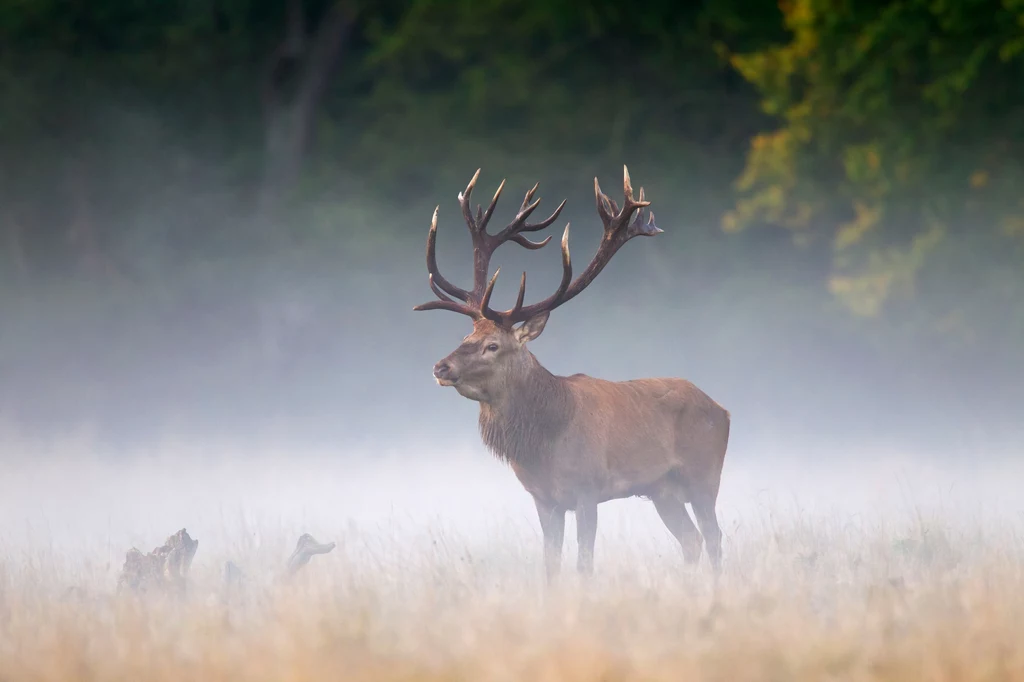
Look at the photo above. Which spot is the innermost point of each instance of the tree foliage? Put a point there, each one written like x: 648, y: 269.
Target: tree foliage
x: 151, y: 152
x: 899, y: 152
x: 133, y: 107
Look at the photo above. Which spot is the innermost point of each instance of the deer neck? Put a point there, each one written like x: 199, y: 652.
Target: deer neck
x: 534, y: 408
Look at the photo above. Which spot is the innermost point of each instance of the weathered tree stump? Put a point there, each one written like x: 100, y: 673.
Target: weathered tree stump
x: 306, y: 548
x: 164, y: 570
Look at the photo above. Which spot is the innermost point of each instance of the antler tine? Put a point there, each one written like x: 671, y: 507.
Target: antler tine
x: 531, y: 245
x: 453, y: 306
x: 467, y: 207
x: 604, y: 204
x: 613, y: 218
x: 490, y: 209
x: 436, y: 289
x: 519, y: 224
x: 486, y: 300
x: 508, y: 317
x: 627, y: 190
x: 520, y: 313
x: 534, y: 227
x: 528, y: 206
x: 432, y: 269
x: 529, y: 196
x: 522, y: 292
x: 445, y: 303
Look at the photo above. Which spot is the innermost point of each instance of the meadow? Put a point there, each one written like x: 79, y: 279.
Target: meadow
x: 845, y: 567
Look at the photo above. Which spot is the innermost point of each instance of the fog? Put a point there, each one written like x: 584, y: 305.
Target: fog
x: 326, y: 351
x: 287, y: 394
x: 298, y: 397
x: 83, y: 513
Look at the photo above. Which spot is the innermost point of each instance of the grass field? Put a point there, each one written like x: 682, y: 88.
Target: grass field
x: 879, y: 570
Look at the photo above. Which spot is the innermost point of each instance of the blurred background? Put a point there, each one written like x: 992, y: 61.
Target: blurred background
x: 213, y: 213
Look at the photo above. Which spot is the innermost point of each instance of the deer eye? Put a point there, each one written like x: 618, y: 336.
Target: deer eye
x: 493, y: 347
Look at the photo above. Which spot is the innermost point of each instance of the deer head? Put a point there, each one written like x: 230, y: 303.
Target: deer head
x: 495, y: 354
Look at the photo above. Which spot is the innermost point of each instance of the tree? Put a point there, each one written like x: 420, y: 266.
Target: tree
x: 297, y: 79
x: 899, y: 155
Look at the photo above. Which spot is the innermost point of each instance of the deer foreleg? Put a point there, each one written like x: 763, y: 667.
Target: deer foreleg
x: 552, y: 523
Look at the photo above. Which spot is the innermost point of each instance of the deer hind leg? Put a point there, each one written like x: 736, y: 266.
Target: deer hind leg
x: 704, y: 509
x: 586, y: 535
x: 672, y: 511
x: 552, y: 524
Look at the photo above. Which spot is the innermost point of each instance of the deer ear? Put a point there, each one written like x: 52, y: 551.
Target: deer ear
x: 532, y: 328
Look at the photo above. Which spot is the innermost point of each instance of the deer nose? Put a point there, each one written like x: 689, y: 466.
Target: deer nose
x: 442, y: 370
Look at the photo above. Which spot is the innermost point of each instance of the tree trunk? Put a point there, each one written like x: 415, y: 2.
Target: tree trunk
x: 15, y: 247
x: 309, y: 64
x: 82, y: 237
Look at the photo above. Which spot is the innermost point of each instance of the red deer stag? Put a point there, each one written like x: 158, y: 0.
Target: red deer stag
x: 576, y: 441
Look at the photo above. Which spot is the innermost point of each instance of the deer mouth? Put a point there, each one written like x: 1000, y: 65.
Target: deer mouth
x: 446, y: 381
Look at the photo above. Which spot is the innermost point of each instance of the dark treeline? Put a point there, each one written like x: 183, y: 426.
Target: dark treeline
x: 212, y: 214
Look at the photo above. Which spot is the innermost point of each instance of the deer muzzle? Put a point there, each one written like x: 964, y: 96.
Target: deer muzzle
x: 444, y: 375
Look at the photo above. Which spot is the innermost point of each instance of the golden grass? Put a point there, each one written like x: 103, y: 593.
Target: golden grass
x: 801, y: 599
x: 437, y: 574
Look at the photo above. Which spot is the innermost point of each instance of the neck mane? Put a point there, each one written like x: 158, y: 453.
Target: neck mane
x: 534, y: 409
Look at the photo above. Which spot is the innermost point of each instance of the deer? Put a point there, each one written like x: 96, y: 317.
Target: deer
x: 577, y: 441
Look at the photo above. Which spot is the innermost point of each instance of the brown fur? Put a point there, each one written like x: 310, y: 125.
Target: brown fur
x: 577, y: 441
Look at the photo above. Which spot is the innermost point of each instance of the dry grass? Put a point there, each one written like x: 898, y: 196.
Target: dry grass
x: 806, y: 595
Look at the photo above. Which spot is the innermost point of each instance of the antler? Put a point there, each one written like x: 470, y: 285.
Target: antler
x: 619, y: 227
